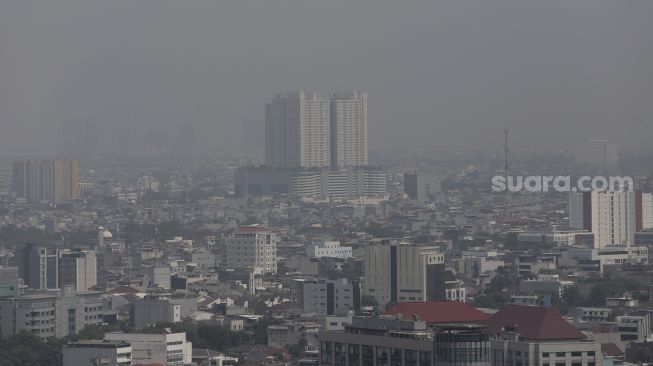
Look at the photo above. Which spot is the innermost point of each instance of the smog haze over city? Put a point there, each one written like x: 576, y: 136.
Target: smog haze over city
x: 441, y: 74
x: 326, y: 183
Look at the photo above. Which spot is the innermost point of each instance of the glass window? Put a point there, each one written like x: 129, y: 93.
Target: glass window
x: 545, y: 354
x: 382, y: 356
x: 325, y: 352
x: 368, y: 355
x: 354, y: 354
x: 425, y: 358
x: 339, y: 354
x: 560, y: 354
x: 395, y: 357
x: 410, y: 357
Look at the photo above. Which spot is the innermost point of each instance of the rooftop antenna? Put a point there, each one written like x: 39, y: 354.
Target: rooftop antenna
x: 506, y: 150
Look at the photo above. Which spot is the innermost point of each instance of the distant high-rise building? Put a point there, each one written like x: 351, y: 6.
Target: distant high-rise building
x: 8, y: 281
x: 80, y: 139
x: 349, y: 130
x: 40, y: 267
x: 597, y: 153
x: 404, y: 273
x: 613, y: 217
x: 78, y: 268
x: 297, y: 131
x: 45, y: 180
x: 421, y: 185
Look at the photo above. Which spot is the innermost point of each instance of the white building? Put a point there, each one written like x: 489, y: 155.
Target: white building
x: 349, y: 130
x: 597, y: 153
x: 250, y: 247
x: 634, y: 327
x: 78, y: 268
x: 167, y: 349
x: 594, y: 260
x: 94, y: 353
x: 151, y: 311
x: 328, y: 249
x: 326, y: 297
x: 402, y: 273
x: 297, y: 132
x: 613, y: 216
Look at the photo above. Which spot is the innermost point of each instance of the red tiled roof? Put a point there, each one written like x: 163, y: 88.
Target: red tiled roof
x: 533, y: 323
x: 611, y: 350
x: 439, y: 312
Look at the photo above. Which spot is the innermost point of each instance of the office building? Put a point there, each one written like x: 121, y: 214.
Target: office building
x: 168, y: 349
x: 45, y: 180
x: 528, y: 335
x: 77, y: 310
x: 328, y: 249
x: 8, y: 281
x: 297, y: 133
x: 422, y: 185
x: 378, y: 341
x: 349, y: 130
x: 78, y: 268
x: 597, y: 153
x: 151, y: 311
x: 613, y: 216
x: 97, y: 353
x: 40, y: 267
x: 404, y: 273
x: 392, y: 341
x: 34, y: 313
x: 251, y: 247
x: 331, y: 297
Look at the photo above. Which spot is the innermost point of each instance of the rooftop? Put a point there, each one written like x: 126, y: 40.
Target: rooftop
x: 533, y: 323
x: 438, y: 312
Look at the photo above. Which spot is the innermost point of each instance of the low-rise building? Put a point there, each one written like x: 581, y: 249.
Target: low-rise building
x: 169, y: 349
x: 329, y: 249
x: 94, y: 353
x: 534, y: 336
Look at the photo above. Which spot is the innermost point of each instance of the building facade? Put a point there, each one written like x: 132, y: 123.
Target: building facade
x: 331, y: 297
x: 250, y: 247
x: 169, y: 349
x: 349, y: 142
x: 614, y: 216
x: 97, y: 352
x: 78, y: 268
x: 45, y: 180
x: 597, y: 153
x: 401, y: 273
x: 297, y: 132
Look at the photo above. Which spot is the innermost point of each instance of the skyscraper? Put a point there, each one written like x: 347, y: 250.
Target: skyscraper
x: 297, y: 131
x: 45, y: 180
x: 348, y: 113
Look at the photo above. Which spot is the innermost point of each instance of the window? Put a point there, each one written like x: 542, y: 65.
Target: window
x: 560, y: 354
x: 382, y: 356
x: 353, y: 354
x: 425, y: 358
x: 410, y: 357
x: 368, y: 355
x: 545, y: 354
x: 590, y: 354
x: 576, y: 354
x: 339, y: 354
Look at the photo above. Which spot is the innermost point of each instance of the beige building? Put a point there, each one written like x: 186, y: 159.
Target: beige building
x: 252, y: 247
x: 404, y: 273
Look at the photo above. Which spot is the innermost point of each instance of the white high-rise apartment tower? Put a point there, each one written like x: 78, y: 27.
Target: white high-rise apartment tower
x: 349, y: 129
x: 613, y: 217
x: 297, y: 131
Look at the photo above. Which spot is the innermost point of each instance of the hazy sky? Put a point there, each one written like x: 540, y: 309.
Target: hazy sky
x: 441, y: 74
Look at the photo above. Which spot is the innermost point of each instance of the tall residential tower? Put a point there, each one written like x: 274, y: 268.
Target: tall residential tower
x: 349, y: 130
